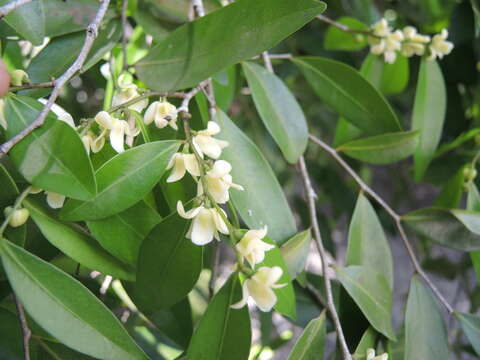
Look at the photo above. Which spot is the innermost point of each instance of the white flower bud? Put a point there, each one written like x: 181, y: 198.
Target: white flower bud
x: 181, y: 163
x: 19, y: 216
x: 18, y: 77
x: 3, y: 121
x: 439, y: 47
x: 219, y: 181
x: 251, y: 246
x: 204, y: 143
x: 162, y: 113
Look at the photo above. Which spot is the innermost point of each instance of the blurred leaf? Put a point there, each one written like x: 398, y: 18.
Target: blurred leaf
x: 65, y: 308
x: 347, y: 92
x: 295, y: 252
x: 11, y: 338
x: 372, y: 293
x: 311, y: 343
x: 279, y: 110
x: 428, y: 114
x: 201, y: 48
x: 223, y: 332
x: 170, y: 261
x: 382, y: 149
x: 264, y: 203
x: 367, y: 244
x: 52, y: 157
x: 426, y: 335
x: 336, y: 39
x: 123, y: 181
x: 452, y: 191
x: 395, y: 76
x: 28, y: 20
x: 471, y: 327
x: 461, y: 139
x: 366, y: 342
x: 225, y: 91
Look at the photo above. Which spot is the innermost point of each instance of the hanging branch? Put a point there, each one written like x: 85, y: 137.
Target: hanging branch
x: 91, y: 34
x: 343, y: 27
x: 12, y: 5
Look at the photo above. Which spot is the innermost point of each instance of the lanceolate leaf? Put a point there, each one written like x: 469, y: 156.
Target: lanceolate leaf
x: 471, y: 327
x: 382, y: 149
x: 373, y: 295
x: 77, y: 245
x: 199, y: 49
x: 311, y: 343
x: 52, y: 157
x: 388, y: 78
x: 263, y: 202
x: 279, y: 111
x: 295, y: 252
x: 426, y: 336
x: 428, y: 114
x: 170, y: 261
x: 123, y: 181
x: 223, y: 332
x: 65, y: 308
x: 349, y: 94
x: 366, y: 342
x: 336, y: 39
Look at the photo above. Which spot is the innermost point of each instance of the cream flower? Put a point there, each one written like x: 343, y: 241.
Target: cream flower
x: 127, y: 92
x: 67, y: 118
x: 162, y: 113
x: 371, y: 355
x: 3, y: 121
x: 117, y: 129
x: 439, y: 46
x: 381, y: 28
x: 204, y: 143
x: 19, y: 216
x: 251, y: 246
x: 206, y: 224
x: 260, y: 287
x: 414, y: 43
x: 54, y: 200
x: 182, y: 163
x: 219, y: 181
x: 393, y: 43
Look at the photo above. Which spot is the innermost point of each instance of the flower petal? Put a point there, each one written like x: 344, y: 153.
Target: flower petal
x: 104, y: 119
x: 178, y: 171
x: 117, y: 135
x: 203, y: 228
x: 245, y: 295
x: 150, y: 113
x: 190, y: 214
x: 54, y: 200
x: 191, y: 164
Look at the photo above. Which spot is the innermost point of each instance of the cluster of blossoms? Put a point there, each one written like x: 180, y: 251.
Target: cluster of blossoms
x: 384, y: 41
x: 371, y: 355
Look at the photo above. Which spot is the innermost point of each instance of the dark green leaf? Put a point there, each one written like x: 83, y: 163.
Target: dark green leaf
x: 311, y: 343
x: 65, y: 308
x: 336, y: 39
x: 428, y: 114
x: 170, y: 261
x: 11, y: 339
x: 295, y: 252
x: 123, y: 181
x: 279, y: 111
x: 28, y: 20
x: 223, y: 333
x: 349, y: 94
x: 199, y: 49
x: 52, y: 157
x: 426, y: 336
x: 471, y: 327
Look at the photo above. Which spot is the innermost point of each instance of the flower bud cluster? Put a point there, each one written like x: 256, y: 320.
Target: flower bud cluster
x: 388, y: 42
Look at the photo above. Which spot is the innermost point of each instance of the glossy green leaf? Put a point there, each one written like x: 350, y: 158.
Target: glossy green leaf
x: 279, y: 110
x: 79, y: 246
x: 263, y: 202
x: 295, y: 252
x: 428, y: 114
x: 382, y: 149
x: 28, y: 20
x: 65, y: 308
x: 223, y: 333
x: 123, y: 233
x: 52, y: 157
x: 471, y: 327
x: 367, y: 244
x: 201, y: 48
x: 372, y: 293
x: 426, y: 335
x: 336, y: 39
x: 311, y: 343
x: 347, y: 92
x: 457, y: 229
x: 123, y: 181
x: 388, y: 78
x: 170, y: 261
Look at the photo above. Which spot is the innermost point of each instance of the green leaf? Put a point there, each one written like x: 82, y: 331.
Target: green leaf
x: 366, y: 342
x: 395, y: 76
x: 367, y: 244
x: 123, y: 233
x: 461, y: 139
x: 279, y: 110
x: 336, y: 39
x: 372, y: 293
x: 28, y: 20
x: 52, y: 157
x: 79, y: 246
x: 426, y: 336
x: 123, y: 181
x: 471, y: 327
x: 201, y: 48
x: 170, y: 261
x: 295, y: 252
x: 263, y: 202
x: 452, y: 191
x: 382, y: 149
x: 11, y: 339
x: 311, y: 343
x: 454, y: 228
x: 347, y: 92
x: 473, y: 204
x: 428, y: 114
x: 65, y: 308
x: 223, y: 333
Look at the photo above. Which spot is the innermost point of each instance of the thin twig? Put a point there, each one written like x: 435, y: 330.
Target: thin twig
x: 12, y: 5
x: 187, y: 98
x: 27, y: 333
x: 311, y: 196
x: 43, y: 85
x: 395, y: 216
x: 267, y: 61
x: 91, y: 34
x: 124, y: 34
x: 343, y: 27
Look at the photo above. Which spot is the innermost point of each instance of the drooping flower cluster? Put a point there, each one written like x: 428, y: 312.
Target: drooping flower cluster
x: 384, y: 41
